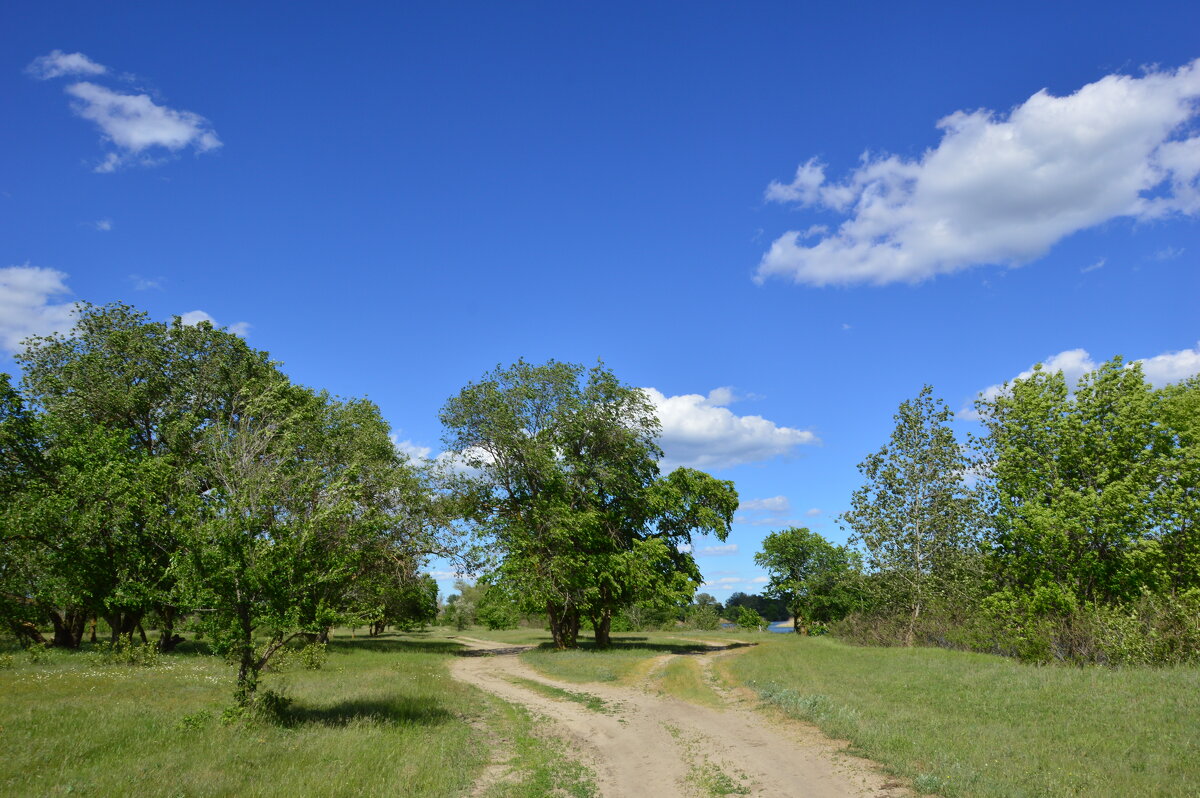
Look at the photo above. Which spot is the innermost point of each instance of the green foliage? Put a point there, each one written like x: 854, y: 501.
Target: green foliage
x: 820, y: 581
x: 126, y: 652
x: 914, y: 516
x: 749, y: 619
x: 703, y: 618
x: 1092, y: 491
x: 569, y: 493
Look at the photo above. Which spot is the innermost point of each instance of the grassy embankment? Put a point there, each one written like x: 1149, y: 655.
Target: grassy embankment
x: 963, y: 724
x: 382, y: 717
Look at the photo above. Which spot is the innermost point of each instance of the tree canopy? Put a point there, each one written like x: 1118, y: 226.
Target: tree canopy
x: 568, y: 488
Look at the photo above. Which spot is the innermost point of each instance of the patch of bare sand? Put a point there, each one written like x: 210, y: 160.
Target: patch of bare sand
x: 660, y: 746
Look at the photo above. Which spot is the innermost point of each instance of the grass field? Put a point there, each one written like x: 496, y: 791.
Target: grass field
x: 964, y: 724
x: 381, y: 718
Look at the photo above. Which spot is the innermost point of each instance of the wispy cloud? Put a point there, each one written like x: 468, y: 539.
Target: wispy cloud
x: 1001, y: 188
x: 57, y: 64
x: 773, y: 504
x: 1092, y: 267
x: 141, y: 283
x: 718, y: 551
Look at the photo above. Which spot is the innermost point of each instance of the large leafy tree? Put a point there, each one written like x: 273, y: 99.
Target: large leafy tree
x: 568, y: 489
x: 123, y: 403
x: 818, y: 580
x: 1091, y: 495
x: 914, y: 515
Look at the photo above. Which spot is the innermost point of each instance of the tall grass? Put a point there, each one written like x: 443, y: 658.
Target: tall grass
x: 382, y: 717
x: 964, y: 724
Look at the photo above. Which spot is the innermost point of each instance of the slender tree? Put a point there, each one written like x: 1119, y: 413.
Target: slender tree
x: 914, y: 515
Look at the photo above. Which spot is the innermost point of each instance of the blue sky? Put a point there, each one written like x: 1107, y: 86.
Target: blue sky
x: 783, y: 218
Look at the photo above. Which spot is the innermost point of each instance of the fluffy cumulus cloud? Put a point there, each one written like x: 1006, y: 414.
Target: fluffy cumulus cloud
x: 194, y: 317
x: 56, y: 64
x: 701, y: 432
x: 1160, y: 370
x: 1001, y: 188
x: 25, y: 304
x: 137, y: 129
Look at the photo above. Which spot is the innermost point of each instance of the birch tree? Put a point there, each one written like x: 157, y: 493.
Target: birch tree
x: 913, y: 514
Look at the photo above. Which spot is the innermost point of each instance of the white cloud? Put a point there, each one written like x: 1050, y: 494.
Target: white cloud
x: 775, y: 504
x: 141, y: 283
x: 58, y: 63
x: 719, y: 551
x: 1159, y: 370
x: 1092, y: 267
x: 1168, y: 253
x: 194, y: 317
x: 1172, y: 366
x: 700, y: 432
x: 137, y: 127
x: 411, y: 450
x: 1002, y: 188
x: 813, y: 512
x: 102, y: 225
x: 25, y: 306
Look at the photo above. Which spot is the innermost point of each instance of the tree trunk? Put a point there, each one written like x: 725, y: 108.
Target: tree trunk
x: 603, y: 629
x: 912, y: 624
x: 564, y: 625
x: 247, y: 678
x: 68, y: 628
x: 27, y: 634
x: 167, y: 639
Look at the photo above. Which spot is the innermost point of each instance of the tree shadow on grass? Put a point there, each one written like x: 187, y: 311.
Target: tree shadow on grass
x: 402, y: 710
x: 642, y: 644
x: 392, y: 645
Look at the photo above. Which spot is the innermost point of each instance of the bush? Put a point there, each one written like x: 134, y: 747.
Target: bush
x: 704, y: 618
x: 126, y: 652
x: 749, y: 619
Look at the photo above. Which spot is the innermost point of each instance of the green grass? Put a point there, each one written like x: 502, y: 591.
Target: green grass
x: 684, y: 679
x: 592, y: 702
x: 383, y: 717
x: 538, y: 765
x: 964, y: 724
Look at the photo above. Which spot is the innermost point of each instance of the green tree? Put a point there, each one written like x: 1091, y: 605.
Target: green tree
x: 816, y: 578
x: 914, y: 515
x: 299, y: 511
x: 568, y: 488
x: 123, y: 396
x: 1090, y: 496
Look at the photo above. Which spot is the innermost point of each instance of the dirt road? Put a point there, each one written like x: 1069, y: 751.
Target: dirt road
x: 643, y: 744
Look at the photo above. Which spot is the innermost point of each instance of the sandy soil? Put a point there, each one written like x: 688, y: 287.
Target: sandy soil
x: 654, y: 745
